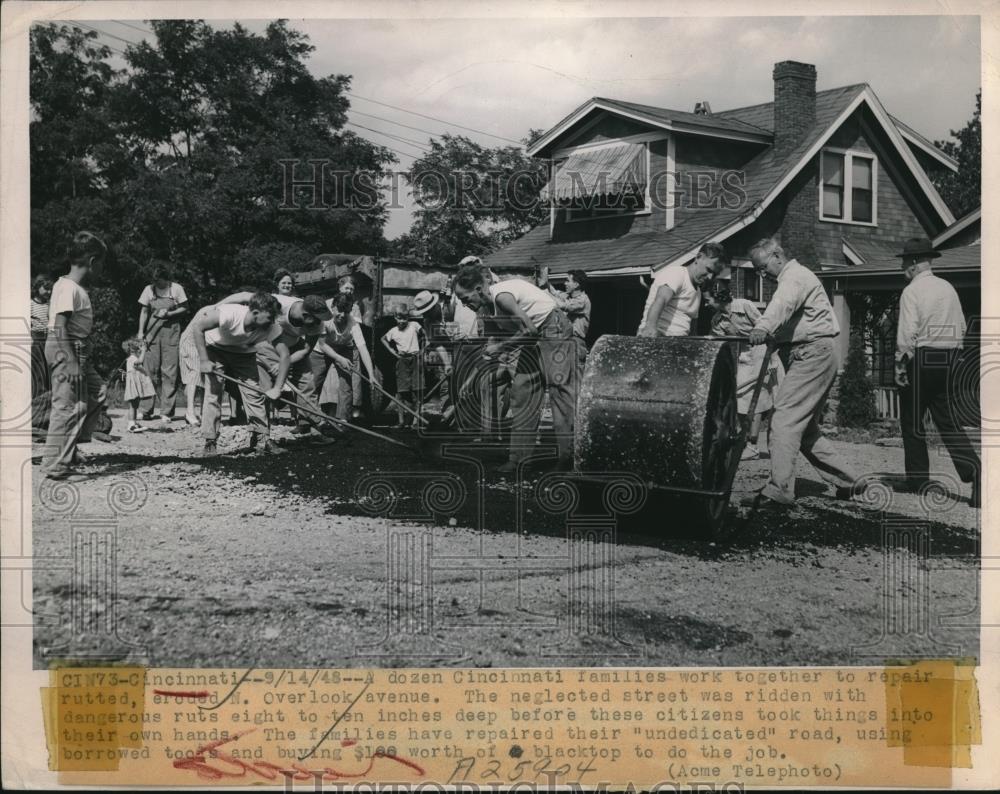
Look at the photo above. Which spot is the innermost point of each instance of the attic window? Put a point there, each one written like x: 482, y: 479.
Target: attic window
x: 848, y: 187
x: 601, y: 181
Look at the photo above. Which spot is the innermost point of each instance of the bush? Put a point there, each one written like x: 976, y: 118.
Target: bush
x: 856, y: 398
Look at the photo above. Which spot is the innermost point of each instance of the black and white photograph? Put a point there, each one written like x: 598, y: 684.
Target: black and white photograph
x: 510, y: 342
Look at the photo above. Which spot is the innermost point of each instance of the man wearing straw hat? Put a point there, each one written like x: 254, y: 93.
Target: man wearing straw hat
x: 929, y: 339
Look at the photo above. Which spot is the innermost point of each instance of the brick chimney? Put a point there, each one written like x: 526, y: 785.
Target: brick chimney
x: 794, y: 103
x: 794, y: 116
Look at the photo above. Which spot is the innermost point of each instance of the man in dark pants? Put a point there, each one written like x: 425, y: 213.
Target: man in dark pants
x: 543, y: 335
x: 929, y: 339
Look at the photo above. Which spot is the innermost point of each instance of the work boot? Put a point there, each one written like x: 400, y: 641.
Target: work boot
x: 262, y: 446
x: 758, y: 501
x: 507, y: 468
x: 301, y: 430
x: 209, y: 450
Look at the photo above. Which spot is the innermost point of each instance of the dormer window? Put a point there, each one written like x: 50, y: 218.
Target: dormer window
x: 848, y: 188
x: 601, y: 181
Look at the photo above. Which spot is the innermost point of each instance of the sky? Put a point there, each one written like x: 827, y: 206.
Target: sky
x: 506, y: 76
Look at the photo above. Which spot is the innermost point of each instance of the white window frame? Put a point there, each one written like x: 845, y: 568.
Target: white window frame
x: 747, y: 265
x: 645, y: 138
x: 849, y: 155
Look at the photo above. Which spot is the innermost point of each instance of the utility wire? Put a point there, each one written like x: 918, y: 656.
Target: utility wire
x: 397, y: 123
x: 105, y: 44
x: 434, y: 118
x: 134, y: 27
x: 391, y: 149
x: 418, y: 144
x: 102, y: 32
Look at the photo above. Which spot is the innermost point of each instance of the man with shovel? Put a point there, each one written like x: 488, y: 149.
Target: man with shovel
x: 302, y: 323
x: 225, y: 337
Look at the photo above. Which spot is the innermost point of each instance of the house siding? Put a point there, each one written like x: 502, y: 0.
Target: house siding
x: 698, y: 163
x: 700, y: 166
x: 896, y: 219
x: 608, y: 128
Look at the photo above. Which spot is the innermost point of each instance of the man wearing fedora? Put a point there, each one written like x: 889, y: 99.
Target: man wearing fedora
x: 427, y: 311
x: 929, y: 340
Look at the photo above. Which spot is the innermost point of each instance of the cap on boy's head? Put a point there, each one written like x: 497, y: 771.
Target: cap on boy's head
x: 316, y: 306
x: 470, y: 260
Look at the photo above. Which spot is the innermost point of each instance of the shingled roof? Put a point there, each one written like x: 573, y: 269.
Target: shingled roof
x: 880, y: 259
x: 651, y: 249
x: 762, y: 118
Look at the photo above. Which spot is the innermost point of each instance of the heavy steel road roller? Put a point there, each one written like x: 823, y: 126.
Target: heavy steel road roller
x: 665, y: 409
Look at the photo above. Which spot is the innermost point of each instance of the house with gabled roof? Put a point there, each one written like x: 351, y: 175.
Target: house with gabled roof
x: 634, y: 188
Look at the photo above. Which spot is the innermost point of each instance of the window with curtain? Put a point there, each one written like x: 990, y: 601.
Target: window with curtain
x: 848, y: 187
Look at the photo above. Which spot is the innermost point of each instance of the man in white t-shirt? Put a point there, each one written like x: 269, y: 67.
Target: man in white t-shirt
x: 544, y: 337
x: 675, y: 294
x: 301, y: 322
x: 225, y: 337
x: 78, y: 392
x: 164, y: 304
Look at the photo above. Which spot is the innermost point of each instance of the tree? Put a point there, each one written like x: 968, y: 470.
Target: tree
x: 856, y: 395
x: 961, y: 190
x: 183, y: 156
x: 472, y: 199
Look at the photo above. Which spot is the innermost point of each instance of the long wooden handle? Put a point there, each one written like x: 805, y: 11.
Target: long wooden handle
x: 392, y: 399
x: 322, y: 417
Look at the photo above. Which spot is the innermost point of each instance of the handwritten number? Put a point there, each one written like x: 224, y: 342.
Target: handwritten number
x: 518, y: 770
x: 492, y: 770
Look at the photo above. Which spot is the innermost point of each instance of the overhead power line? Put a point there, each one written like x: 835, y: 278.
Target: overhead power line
x: 434, y: 118
x: 145, y: 31
x: 391, y: 149
x: 418, y: 144
x: 102, y: 32
x: 396, y: 123
x: 103, y: 43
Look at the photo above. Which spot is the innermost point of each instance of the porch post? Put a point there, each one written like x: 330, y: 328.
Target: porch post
x: 843, y: 314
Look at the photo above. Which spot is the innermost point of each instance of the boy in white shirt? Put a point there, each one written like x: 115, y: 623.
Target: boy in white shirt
x: 675, y: 294
x: 403, y: 340
x: 78, y: 392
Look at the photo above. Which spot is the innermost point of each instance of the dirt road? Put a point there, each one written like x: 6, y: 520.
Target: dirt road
x: 299, y: 560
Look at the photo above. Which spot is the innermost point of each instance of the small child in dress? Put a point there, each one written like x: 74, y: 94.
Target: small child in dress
x: 138, y: 385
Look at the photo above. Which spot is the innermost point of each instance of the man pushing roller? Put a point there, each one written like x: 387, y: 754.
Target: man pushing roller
x: 800, y: 318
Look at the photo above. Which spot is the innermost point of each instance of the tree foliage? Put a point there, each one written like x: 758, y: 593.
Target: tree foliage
x: 472, y: 199
x: 961, y: 190
x: 856, y: 395
x: 178, y: 156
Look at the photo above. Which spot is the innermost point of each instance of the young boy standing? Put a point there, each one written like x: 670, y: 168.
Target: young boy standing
x: 78, y: 392
x: 404, y: 342
x: 224, y: 337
